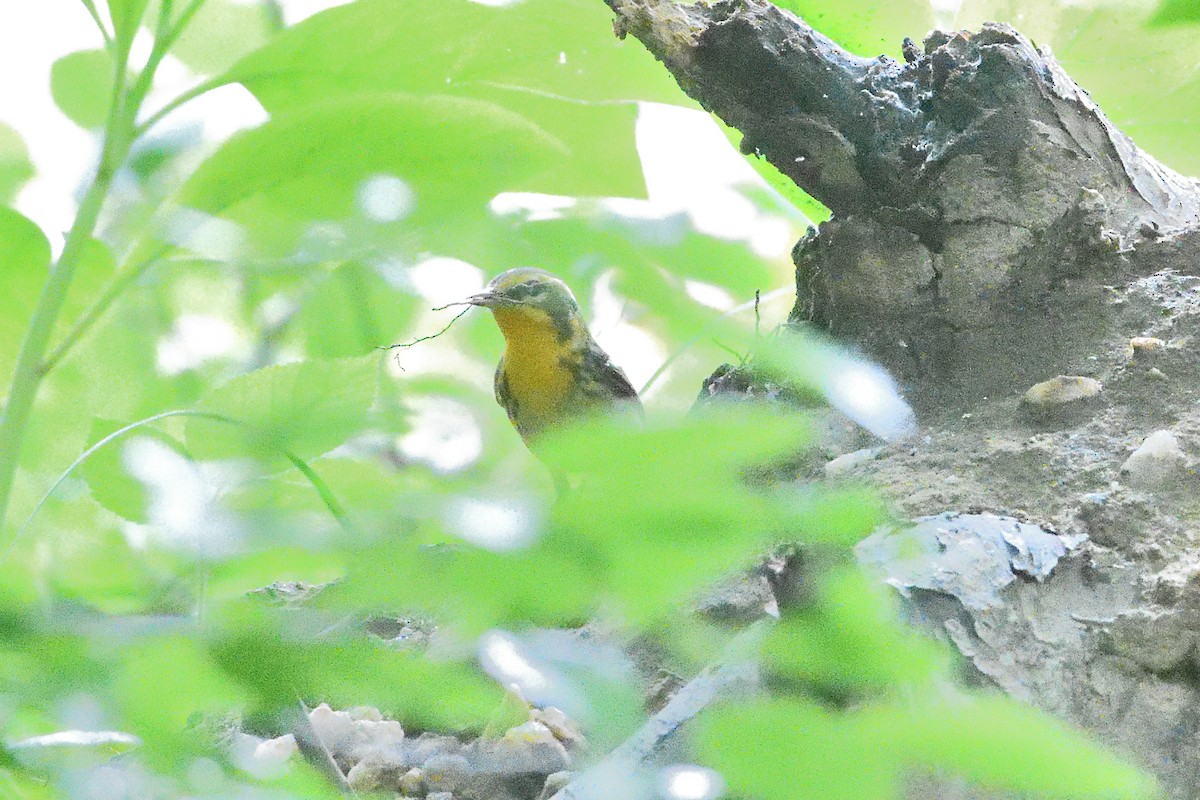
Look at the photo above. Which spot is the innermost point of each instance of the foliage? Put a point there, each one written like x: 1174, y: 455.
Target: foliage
x: 195, y: 407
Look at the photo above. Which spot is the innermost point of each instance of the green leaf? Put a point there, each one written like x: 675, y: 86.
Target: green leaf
x: 851, y: 639
x: 553, y: 61
x: 112, y: 486
x: 161, y: 685
x: 24, y: 268
x: 786, y: 749
x: 221, y: 32
x: 306, y: 408
x: 1176, y: 12
x: 126, y: 19
x: 15, y: 167
x: 867, y: 27
x: 314, y: 163
x: 259, y: 653
x: 999, y: 743
x: 82, y: 84
x: 352, y: 312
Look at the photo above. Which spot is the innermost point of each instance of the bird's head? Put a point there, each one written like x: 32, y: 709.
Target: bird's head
x: 528, y: 297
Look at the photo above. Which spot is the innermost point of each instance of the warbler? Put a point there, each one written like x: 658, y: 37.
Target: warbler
x: 552, y: 369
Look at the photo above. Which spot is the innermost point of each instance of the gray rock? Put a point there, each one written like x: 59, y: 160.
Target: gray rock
x: 968, y: 556
x: 555, y: 781
x: 848, y: 461
x: 1157, y: 463
x: 378, y: 771
x: 1157, y: 640
x: 446, y: 772
x: 428, y: 745
x: 1061, y: 390
x: 526, y: 748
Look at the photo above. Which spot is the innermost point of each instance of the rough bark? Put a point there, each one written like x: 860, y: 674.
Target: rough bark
x: 981, y: 202
x: 992, y: 228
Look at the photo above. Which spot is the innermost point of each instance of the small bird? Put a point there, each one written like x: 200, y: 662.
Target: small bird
x: 552, y: 369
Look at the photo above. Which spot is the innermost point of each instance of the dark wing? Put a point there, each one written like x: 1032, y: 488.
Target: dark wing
x: 503, y: 395
x: 608, y: 381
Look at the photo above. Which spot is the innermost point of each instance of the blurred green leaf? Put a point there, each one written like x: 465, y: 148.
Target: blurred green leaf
x: 112, y: 486
x: 866, y: 28
x: 313, y: 163
x: 24, y: 268
x: 15, y: 167
x: 161, y: 686
x: 851, y: 639
x: 82, y: 85
x: 786, y: 749
x: 306, y: 408
x: 278, y: 670
x: 352, y: 312
x: 553, y: 61
x: 126, y: 19
x: 1176, y: 12
x: 221, y: 32
x: 999, y: 743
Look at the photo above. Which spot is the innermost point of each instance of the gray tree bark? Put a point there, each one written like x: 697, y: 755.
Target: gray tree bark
x: 991, y: 229
x: 981, y: 202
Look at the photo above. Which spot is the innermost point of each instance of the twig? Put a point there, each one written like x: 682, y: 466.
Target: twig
x: 737, y: 669
x: 431, y: 336
x: 314, y: 750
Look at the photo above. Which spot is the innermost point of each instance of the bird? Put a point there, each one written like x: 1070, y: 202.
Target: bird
x: 552, y: 370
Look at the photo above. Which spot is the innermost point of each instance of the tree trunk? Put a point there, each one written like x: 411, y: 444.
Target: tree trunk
x: 981, y: 202
x: 992, y: 229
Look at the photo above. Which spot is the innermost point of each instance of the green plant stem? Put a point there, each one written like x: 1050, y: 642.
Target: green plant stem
x: 28, y: 373
x: 118, y: 138
x: 326, y: 494
x: 91, y: 9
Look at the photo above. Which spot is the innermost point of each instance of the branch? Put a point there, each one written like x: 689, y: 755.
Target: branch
x: 867, y: 134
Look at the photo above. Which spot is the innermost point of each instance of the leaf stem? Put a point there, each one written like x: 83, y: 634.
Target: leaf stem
x: 327, y: 496
x: 28, y: 373
x: 119, y: 135
x: 91, y: 9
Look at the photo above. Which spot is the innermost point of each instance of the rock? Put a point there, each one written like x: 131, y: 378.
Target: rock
x: 1156, y: 640
x: 440, y: 796
x: 379, y: 771
x: 563, y: 728
x: 968, y: 556
x: 428, y: 745
x: 262, y: 758
x: 530, y: 747
x: 1157, y: 462
x: 848, y: 461
x: 1060, y: 391
x: 446, y: 772
x: 1116, y: 518
x: 353, y: 734
x: 555, y: 781
x: 412, y: 783
x: 1141, y: 347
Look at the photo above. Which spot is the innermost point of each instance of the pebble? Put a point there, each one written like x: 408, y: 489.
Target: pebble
x: 848, y: 461
x: 1060, y: 391
x: 379, y: 770
x: 446, y: 772
x: 555, y: 782
x: 412, y: 783
x: 1145, y: 346
x: 1157, y: 461
x: 530, y: 747
x: 355, y: 732
x: 262, y: 758
x: 440, y: 796
x: 428, y: 745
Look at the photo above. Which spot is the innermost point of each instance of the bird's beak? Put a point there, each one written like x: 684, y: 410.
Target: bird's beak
x: 488, y: 300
